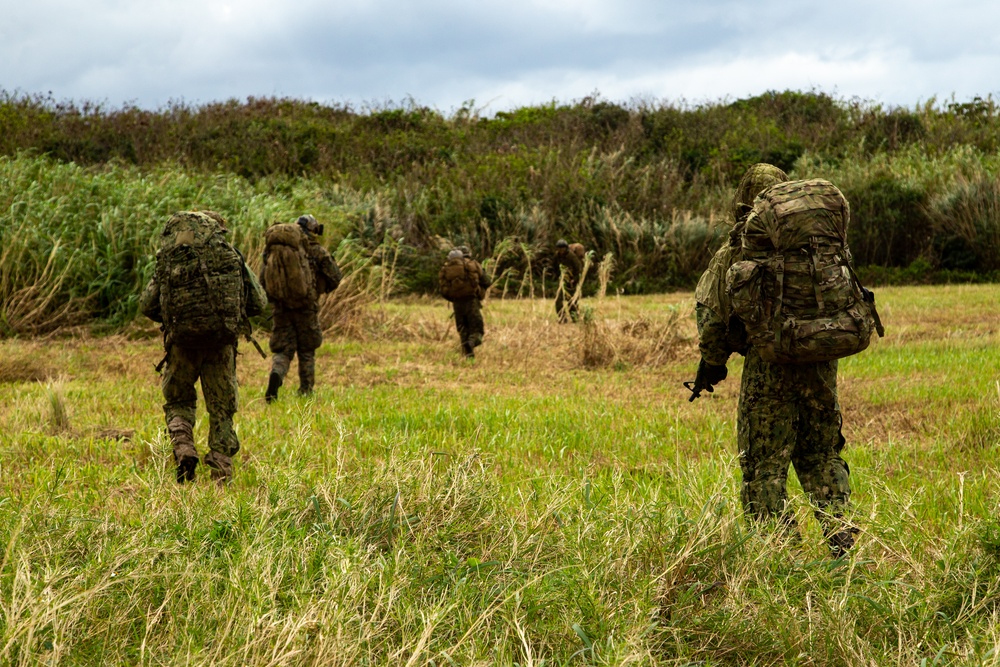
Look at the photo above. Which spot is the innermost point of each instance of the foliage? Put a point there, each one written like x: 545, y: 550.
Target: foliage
x: 522, y: 509
x: 84, y: 186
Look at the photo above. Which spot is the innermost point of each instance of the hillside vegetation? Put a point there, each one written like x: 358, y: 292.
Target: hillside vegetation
x: 84, y: 187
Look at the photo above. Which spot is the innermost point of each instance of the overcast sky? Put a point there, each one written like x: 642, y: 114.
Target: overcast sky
x: 442, y: 53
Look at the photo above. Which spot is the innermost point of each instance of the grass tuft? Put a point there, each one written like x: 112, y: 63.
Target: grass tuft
x: 638, y: 342
x: 55, y: 391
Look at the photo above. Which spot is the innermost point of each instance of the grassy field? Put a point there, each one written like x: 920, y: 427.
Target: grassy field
x: 528, y: 508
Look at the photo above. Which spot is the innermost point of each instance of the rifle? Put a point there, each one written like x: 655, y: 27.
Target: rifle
x: 696, y: 388
x: 707, y: 377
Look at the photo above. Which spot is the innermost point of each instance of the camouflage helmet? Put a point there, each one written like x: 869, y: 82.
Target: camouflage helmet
x: 464, y: 249
x: 309, y: 224
x: 757, y: 178
x: 455, y: 254
x: 561, y: 243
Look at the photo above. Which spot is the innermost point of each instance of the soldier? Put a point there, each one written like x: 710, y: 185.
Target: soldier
x: 463, y: 282
x: 296, y: 326
x: 788, y: 412
x: 568, y: 261
x: 203, y: 293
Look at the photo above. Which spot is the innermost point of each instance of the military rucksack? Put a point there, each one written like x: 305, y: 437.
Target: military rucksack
x: 459, y: 279
x: 200, y: 276
x: 578, y: 250
x: 288, y: 277
x: 794, y: 287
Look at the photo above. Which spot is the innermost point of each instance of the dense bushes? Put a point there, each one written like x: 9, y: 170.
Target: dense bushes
x: 649, y: 182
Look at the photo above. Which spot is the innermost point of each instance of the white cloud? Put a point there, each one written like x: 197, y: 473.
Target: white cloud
x: 443, y: 52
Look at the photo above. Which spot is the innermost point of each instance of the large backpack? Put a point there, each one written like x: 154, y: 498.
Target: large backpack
x: 201, y: 282
x: 459, y: 279
x: 288, y: 277
x: 794, y: 288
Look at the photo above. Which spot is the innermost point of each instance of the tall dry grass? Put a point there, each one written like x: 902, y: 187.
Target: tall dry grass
x: 632, y: 342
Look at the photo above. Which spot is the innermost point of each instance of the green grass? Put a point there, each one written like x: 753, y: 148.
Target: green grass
x: 517, y: 510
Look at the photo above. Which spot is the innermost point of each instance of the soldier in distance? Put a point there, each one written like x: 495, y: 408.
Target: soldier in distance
x: 296, y: 271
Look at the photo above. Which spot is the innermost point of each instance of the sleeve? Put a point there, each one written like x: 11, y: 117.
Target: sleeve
x: 149, y: 302
x: 713, y: 336
x: 719, y: 334
x: 326, y: 268
x: 484, y: 280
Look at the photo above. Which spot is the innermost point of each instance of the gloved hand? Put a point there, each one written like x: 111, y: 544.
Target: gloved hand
x: 708, y: 376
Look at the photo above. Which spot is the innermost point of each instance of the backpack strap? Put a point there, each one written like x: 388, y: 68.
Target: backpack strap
x: 779, y: 274
x: 817, y: 272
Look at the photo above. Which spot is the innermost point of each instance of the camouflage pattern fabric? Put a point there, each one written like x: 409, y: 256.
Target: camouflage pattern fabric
x: 199, y: 277
x: 755, y: 180
x: 216, y: 368
x: 793, y: 287
x: 789, y: 413
x: 460, y: 278
x: 718, y: 339
x: 711, y: 289
x: 296, y: 332
x: 570, y: 266
x: 254, y: 298
x: 326, y: 273
x: 469, y: 315
x: 469, y: 323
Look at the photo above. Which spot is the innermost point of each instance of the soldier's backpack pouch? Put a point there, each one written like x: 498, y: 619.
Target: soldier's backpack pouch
x: 743, y: 284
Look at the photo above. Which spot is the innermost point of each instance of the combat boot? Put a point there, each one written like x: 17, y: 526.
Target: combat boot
x: 185, y: 454
x: 273, y: 383
x: 307, y: 373
x: 221, y: 466
x: 841, y: 542
x: 468, y: 350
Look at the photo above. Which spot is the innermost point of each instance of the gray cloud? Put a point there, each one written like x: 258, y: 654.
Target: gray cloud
x: 443, y: 52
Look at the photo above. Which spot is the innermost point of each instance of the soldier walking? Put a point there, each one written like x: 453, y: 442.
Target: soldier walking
x: 788, y: 410
x: 463, y: 283
x: 203, y: 293
x: 568, y: 260
x: 296, y: 271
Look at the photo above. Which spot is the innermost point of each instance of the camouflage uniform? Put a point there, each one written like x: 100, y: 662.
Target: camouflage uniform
x: 565, y: 258
x: 469, y: 314
x: 297, y: 330
x: 788, y: 413
x: 215, y: 366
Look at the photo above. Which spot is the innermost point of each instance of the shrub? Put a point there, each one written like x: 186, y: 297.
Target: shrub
x: 967, y: 226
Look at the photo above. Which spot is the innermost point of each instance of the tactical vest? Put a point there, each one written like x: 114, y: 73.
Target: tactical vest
x: 794, y: 288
